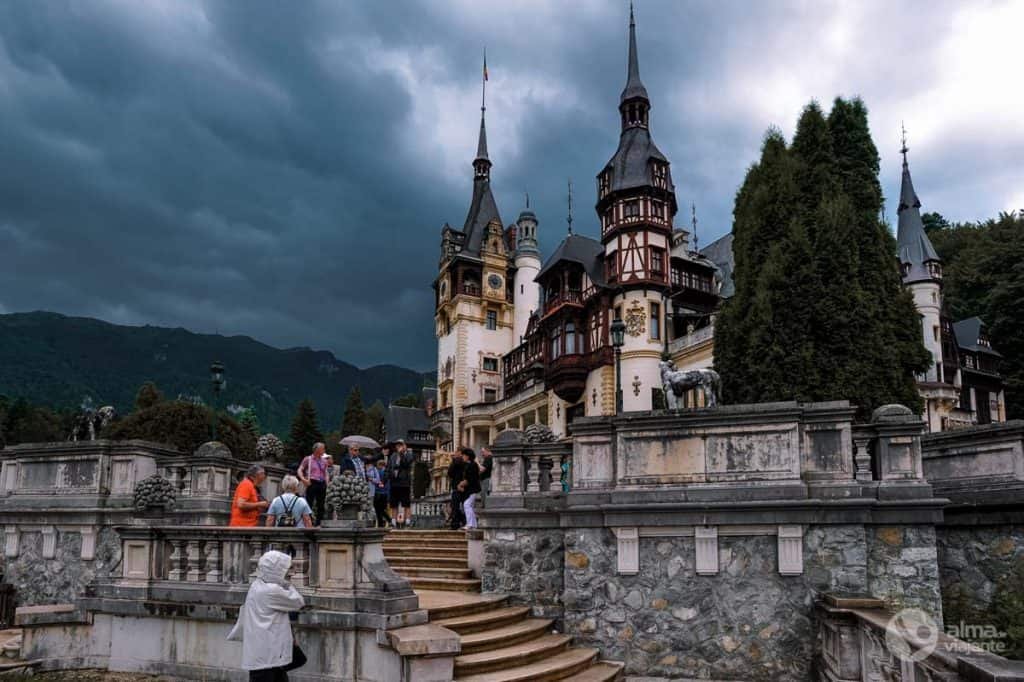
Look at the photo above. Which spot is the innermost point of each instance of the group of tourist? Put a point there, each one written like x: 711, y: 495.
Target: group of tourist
x: 467, y: 474
x: 388, y: 477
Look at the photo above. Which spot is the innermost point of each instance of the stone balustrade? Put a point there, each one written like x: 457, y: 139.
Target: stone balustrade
x: 862, y: 641
x: 531, y: 469
x: 179, y: 590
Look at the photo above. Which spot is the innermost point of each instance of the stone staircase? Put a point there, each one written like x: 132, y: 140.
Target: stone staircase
x: 500, y: 643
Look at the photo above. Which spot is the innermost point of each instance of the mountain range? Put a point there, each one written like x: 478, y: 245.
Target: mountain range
x: 59, y: 361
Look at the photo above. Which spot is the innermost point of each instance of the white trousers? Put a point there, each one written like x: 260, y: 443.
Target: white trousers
x: 467, y: 507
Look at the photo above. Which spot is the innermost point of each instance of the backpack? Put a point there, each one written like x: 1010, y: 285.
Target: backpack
x: 287, y: 519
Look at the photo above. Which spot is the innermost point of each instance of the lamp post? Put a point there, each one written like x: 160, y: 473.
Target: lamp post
x: 618, y: 330
x: 218, y: 382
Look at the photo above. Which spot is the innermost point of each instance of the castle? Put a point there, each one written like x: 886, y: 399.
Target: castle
x: 522, y: 340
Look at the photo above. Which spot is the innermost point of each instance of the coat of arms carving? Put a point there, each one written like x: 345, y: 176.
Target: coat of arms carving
x: 636, y: 319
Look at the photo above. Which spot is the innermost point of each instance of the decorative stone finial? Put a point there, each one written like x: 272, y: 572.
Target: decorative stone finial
x: 893, y: 414
x: 154, y: 492
x: 213, y: 448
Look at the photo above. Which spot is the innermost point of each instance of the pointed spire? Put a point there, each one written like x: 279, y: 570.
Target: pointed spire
x: 482, y: 163
x: 570, y: 207
x: 693, y: 210
x: 915, y: 249
x: 634, y: 86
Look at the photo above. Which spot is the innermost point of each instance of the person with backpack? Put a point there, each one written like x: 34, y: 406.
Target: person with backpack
x: 288, y: 510
x: 376, y: 473
x: 400, y: 465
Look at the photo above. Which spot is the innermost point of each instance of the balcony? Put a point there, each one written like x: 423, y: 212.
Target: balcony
x: 470, y: 289
x: 567, y: 376
x: 698, y: 337
x: 441, y: 424
x: 572, y: 297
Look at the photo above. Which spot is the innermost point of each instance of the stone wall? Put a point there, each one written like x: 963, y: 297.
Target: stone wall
x: 64, y: 577
x: 903, y: 568
x: 527, y: 565
x: 974, y: 561
x: 746, y: 622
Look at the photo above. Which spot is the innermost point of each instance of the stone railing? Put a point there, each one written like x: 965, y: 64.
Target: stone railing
x: 530, y: 469
x: 861, y: 641
x: 430, y: 511
x: 697, y: 337
x: 192, y: 579
x: 977, y: 465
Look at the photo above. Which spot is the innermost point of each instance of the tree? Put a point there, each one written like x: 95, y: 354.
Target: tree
x: 354, y: 419
x: 934, y: 222
x: 250, y: 421
x: 305, y: 430
x: 147, y: 396
x: 983, y: 275
x: 409, y: 400
x: 819, y: 312
x: 373, y: 423
x: 184, y: 426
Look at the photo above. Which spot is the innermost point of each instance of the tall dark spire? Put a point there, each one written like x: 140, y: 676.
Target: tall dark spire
x: 634, y: 86
x: 915, y: 249
x: 482, y: 164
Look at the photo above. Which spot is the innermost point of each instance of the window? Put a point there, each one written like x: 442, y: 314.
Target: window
x: 490, y: 395
x: 935, y: 332
x: 556, y: 343
x: 677, y: 277
x: 570, y: 338
x: 658, y: 209
x: 613, y: 266
x: 657, y: 261
x: 490, y: 364
x: 492, y: 319
x: 655, y: 321
x: 969, y: 361
x: 632, y: 209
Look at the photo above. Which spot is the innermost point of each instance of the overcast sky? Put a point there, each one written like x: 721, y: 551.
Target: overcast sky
x: 283, y: 169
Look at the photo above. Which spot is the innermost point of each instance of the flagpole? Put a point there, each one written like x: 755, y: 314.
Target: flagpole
x: 483, y: 85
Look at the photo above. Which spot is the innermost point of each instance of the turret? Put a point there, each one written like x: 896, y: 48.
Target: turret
x: 527, y: 259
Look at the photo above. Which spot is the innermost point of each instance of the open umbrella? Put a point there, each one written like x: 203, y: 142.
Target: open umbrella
x: 360, y: 442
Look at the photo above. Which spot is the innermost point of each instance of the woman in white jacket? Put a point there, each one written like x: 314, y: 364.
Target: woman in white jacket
x: 268, y: 651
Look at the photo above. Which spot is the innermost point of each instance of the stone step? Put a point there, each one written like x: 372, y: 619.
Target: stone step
x: 424, y: 548
x: 482, y: 604
x: 427, y: 534
x: 512, y: 656
x: 505, y: 635
x: 602, y: 671
x: 496, y: 617
x: 558, y: 667
x: 445, y: 584
x: 432, y: 572
x: 435, y: 561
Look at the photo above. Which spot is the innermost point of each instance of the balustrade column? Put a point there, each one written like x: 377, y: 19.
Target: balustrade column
x: 255, y: 552
x: 194, y: 557
x: 213, y: 572
x: 176, y: 564
x: 532, y: 473
x: 300, y: 565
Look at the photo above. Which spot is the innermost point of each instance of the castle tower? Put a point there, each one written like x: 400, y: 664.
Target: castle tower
x: 474, y: 314
x: 921, y: 269
x: 526, y: 291
x: 636, y: 205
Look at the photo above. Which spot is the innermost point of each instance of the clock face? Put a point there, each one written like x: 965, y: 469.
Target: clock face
x: 494, y: 281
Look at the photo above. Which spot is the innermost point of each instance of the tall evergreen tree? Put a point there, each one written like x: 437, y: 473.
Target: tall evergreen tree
x: 147, y: 396
x: 373, y: 424
x: 250, y: 421
x: 305, y: 430
x: 354, y: 419
x: 819, y: 312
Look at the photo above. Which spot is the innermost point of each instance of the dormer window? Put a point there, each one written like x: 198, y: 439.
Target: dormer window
x: 935, y: 269
x: 660, y: 173
x: 604, y: 183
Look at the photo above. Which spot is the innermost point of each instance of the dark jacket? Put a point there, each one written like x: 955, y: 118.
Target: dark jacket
x: 488, y: 468
x: 455, y: 472
x: 471, y: 474
x: 400, y: 467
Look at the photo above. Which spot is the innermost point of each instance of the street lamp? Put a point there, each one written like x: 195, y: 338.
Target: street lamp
x: 218, y: 382
x: 618, y: 339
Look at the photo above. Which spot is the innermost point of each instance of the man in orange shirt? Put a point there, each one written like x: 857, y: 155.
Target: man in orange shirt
x: 248, y: 503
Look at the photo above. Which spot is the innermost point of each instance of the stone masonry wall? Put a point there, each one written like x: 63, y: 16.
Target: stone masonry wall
x: 973, y: 561
x: 63, y: 578
x: 745, y: 623
x: 527, y: 565
x: 903, y: 567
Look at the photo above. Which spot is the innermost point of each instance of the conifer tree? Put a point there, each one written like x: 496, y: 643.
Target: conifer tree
x: 819, y: 312
x: 373, y: 424
x: 354, y: 419
x: 250, y: 421
x: 147, y: 396
x: 305, y: 430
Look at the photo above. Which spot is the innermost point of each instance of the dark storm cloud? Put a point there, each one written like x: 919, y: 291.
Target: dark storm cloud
x: 283, y: 169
